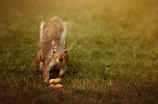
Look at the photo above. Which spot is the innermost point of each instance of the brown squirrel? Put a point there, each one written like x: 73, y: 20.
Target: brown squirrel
x: 52, y: 55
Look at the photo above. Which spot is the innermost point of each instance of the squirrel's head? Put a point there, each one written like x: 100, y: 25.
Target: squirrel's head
x: 59, y: 52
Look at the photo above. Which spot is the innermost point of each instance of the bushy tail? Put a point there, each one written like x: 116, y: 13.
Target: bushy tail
x: 54, y: 30
x: 41, y: 31
x: 63, y: 35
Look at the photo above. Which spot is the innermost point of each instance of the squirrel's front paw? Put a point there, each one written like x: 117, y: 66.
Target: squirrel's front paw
x: 45, y: 80
x: 60, y: 76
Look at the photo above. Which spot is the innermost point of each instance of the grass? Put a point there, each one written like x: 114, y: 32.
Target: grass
x: 112, y: 49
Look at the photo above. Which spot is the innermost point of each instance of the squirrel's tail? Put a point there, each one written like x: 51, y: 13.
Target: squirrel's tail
x: 54, y: 30
x: 41, y: 31
x: 63, y: 35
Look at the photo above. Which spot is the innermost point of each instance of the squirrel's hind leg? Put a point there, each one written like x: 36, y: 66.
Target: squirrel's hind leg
x: 41, y: 67
x: 46, y: 72
x: 39, y: 61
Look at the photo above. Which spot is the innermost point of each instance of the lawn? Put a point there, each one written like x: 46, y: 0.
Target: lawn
x: 112, y: 47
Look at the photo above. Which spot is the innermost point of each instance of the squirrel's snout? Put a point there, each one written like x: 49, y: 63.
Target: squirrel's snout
x: 60, y: 59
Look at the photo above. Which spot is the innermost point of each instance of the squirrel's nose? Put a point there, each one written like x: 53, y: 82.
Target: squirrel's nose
x: 60, y: 59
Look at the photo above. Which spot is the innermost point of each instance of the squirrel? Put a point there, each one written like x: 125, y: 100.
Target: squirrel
x: 52, y: 55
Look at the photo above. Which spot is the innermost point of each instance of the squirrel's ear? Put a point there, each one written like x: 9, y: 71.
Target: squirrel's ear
x: 64, y: 44
x: 53, y: 44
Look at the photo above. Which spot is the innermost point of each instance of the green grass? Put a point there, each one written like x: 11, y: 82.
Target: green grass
x: 112, y: 47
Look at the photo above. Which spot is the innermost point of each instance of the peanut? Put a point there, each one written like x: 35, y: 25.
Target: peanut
x: 56, y: 86
x: 57, y: 80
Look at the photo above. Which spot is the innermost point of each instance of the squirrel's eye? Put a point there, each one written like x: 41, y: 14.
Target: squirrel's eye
x: 66, y: 51
x: 54, y: 51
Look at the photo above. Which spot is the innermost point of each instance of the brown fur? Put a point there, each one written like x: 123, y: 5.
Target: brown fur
x: 52, y: 55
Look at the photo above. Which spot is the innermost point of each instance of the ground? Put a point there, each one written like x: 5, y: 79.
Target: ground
x: 112, y: 47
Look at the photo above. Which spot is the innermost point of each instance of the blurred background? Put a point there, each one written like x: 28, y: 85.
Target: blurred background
x: 112, y: 45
